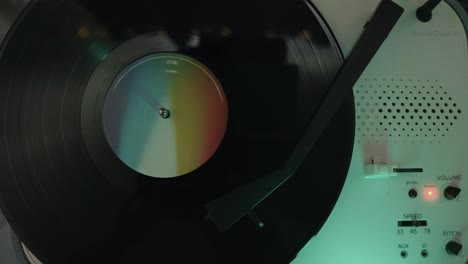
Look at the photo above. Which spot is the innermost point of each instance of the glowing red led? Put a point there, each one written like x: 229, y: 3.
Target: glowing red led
x: 431, y: 193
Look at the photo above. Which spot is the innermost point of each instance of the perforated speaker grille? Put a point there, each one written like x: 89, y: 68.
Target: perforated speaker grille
x: 404, y: 111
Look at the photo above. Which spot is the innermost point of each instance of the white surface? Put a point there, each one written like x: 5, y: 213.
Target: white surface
x: 7, y: 251
x: 363, y: 226
x: 348, y: 25
x: 9, y: 9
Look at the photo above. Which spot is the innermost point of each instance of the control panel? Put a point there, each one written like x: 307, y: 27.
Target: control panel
x: 406, y: 196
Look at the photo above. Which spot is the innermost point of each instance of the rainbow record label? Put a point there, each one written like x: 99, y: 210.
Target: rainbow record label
x: 165, y: 115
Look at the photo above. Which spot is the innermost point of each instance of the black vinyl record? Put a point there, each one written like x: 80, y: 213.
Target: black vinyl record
x: 73, y: 194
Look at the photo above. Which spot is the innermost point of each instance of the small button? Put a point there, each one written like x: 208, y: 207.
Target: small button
x: 413, y: 193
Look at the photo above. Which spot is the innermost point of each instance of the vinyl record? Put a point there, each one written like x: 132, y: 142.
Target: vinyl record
x: 122, y: 120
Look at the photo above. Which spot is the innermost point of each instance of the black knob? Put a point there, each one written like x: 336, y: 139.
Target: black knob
x: 413, y: 193
x: 453, y: 248
x: 451, y: 192
x: 424, y: 13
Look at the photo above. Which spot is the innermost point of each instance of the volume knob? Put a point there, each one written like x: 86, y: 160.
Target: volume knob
x: 453, y: 248
x: 451, y: 192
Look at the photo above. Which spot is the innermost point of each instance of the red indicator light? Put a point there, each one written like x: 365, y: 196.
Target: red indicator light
x: 431, y: 193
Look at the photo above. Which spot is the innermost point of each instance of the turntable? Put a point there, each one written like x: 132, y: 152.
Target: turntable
x: 244, y: 132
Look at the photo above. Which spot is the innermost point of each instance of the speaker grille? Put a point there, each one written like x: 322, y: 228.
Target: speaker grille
x: 404, y: 111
